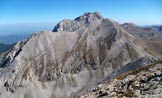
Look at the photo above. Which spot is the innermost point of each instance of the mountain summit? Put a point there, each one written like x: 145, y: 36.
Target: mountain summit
x: 78, y: 23
x: 72, y: 59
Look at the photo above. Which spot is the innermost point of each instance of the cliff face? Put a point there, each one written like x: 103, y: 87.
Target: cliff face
x: 78, y: 54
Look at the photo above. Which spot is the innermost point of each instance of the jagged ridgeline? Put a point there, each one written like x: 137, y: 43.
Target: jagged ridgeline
x: 74, y: 57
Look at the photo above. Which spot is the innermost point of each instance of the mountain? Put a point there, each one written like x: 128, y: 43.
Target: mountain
x: 155, y: 29
x: 148, y: 32
x: 74, y: 58
x: 80, y: 23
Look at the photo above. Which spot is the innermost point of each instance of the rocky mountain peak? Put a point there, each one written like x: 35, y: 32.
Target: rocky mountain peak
x: 89, y: 17
x: 79, y: 23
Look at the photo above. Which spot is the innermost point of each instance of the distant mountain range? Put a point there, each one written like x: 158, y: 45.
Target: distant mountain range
x: 143, y: 32
x: 22, y: 34
x: 155, y: 29
x: 14, y: 38
x: 12, y: 33
x: 4, y: 47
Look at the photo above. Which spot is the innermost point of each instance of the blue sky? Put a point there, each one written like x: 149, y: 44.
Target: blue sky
x: 141, y: 12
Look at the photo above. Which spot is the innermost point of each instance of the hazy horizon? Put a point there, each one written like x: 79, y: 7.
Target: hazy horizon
x: 29, y: 28
x: 10, y: 29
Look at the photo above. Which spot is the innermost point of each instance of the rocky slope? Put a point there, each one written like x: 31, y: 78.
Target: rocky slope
x: 4, y: 49
x: 148, y: 33
x: 77, y: 55
x: 141, y: 83
x: 138, y: 31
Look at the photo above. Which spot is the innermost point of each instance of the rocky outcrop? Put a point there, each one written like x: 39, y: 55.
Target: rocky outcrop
x: 76, y: 55
x: 142, y: 83
x: 4, y: 50
x: 11, y: 54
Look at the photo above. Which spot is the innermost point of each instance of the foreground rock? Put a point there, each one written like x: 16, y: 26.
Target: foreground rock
x: 142, y: 83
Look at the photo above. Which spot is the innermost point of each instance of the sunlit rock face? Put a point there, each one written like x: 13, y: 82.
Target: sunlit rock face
x: 88, y: 20
x: 78, y: 54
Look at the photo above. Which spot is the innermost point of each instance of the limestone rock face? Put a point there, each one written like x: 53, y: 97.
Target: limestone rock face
x: 78, y: 54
